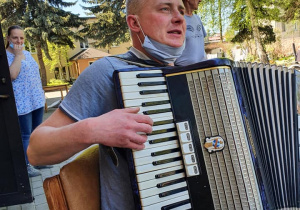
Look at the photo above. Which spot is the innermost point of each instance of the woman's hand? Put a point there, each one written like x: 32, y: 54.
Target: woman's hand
x: 17, y: 50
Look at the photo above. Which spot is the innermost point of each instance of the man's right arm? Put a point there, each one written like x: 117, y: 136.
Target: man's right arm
x: 59, y: 137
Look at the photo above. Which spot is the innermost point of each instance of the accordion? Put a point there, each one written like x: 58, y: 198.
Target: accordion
x: 225, y: 135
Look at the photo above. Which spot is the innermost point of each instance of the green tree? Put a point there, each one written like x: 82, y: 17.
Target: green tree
x: 249, y: 19
x: 58, y: 54
x: 110, y: 26
x: 291, y: 9
x: 42, y: 21
x: 214, y: 14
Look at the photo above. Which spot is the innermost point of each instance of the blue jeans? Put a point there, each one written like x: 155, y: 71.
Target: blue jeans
x: 28, y: 123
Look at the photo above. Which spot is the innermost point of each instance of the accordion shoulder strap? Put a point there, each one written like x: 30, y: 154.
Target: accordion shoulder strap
x: 130, y: 58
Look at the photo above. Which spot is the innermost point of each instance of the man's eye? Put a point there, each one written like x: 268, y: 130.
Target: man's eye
x: 165, y: 9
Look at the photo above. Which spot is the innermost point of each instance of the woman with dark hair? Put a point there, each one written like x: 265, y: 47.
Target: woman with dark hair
x: 27, y: 86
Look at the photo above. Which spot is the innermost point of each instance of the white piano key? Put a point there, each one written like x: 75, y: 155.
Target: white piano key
x: 138, y: 102
x: 132, y: 74
x: 136, y: 88
x: 154, y: 202
x: 183, y: 207
x: 157, y: 107
x: 170, y: 117
x: 151, y: 175
x: 183, y: 127
x: 134, y: 81
x: 148, y: 146
x: 155, y: 191
x: 162, y: 127
x: 192, y: 170
x: 187, y: 148
x: 185, y: 137
x: 153, y: 182
x: 166, y: 114
x: 162, y: 135
x: 151, y: 167
x: 137, y: 95
x: 147, y: 152
x: 147, y: 160
x: 189, y: 159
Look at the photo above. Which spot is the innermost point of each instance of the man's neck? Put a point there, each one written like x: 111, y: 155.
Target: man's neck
x: 188, y: 10
x: 145, y: 56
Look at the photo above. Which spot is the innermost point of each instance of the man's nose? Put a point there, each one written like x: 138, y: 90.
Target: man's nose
x: 177, y: 17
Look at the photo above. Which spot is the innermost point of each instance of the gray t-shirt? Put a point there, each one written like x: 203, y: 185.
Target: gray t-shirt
x: 93, y: 94
x: 194, y: 47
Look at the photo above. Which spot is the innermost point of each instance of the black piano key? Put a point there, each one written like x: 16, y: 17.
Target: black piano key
x: 172, y: 192
x: 148, y: 92
x: 154, y: 103
x: 143, y: 84
x: 174, y: 205
x: 149, y: 112
x: 160, y: 162
x: 164, y: 152
x: 168, y: 183
x: 149, y: 75
x: 170, y: 173
x: 162, y: 131
x: 156, y: 141
x: 163, y: 122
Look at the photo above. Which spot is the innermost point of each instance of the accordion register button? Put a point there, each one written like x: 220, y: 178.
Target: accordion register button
x: 189, y: 159
x: 191, y: 170
x: 187, y: 148
x: 183, y: 127
x: 185, y: 137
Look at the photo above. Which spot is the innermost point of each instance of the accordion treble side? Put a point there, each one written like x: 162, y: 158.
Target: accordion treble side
x: 225, y: 136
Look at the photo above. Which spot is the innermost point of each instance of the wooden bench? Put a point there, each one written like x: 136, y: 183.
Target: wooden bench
x: 55, y: 88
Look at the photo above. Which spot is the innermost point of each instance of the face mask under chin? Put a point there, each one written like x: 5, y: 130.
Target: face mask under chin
x: 164, y: 53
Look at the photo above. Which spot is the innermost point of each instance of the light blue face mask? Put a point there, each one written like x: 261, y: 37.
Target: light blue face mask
x: 161, y: 52
x: 12, y: 45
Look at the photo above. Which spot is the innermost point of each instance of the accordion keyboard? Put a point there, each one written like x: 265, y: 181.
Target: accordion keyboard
x: 159, y: 168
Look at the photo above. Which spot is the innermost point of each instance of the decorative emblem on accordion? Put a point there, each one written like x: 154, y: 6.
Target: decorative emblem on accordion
x: 214, y: 144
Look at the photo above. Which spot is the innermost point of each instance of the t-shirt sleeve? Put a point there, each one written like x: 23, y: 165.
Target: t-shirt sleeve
x: 93, y: 92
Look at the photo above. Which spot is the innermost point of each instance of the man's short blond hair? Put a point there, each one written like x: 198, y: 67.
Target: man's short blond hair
x: 133, y: 7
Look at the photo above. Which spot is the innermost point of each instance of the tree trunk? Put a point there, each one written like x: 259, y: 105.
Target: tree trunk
x: 254, y: 24
x: 220, y: 21
x: 42, y: 65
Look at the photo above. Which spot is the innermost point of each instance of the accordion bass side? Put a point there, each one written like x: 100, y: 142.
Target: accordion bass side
x: 225, y: 136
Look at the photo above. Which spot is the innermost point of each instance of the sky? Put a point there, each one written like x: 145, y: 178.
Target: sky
x: 77, y: 9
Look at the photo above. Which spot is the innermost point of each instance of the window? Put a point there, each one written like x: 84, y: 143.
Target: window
x: 84, y: 44
x: 283, y: 27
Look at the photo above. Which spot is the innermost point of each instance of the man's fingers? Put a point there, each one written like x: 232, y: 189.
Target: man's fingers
x: 133, y: 145
x: 133, y: 110
x: 138, y: 139
x: 144, y: 119
x: 143, y: 128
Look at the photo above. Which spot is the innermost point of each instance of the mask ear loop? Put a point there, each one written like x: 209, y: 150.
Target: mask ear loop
x: 141, y: 30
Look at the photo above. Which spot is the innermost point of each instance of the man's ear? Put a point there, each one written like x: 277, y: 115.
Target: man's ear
x: 133, y: 23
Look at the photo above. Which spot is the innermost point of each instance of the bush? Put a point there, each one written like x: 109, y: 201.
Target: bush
x: 54, y: 82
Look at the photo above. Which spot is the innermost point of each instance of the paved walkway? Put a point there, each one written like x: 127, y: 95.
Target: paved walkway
x: 36, y: 183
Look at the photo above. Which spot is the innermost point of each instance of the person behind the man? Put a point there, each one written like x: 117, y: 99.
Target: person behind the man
x: 89, y: 115
x: 195, y: 33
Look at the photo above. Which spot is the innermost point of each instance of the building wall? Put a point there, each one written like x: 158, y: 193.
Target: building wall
x: 122, y: 48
